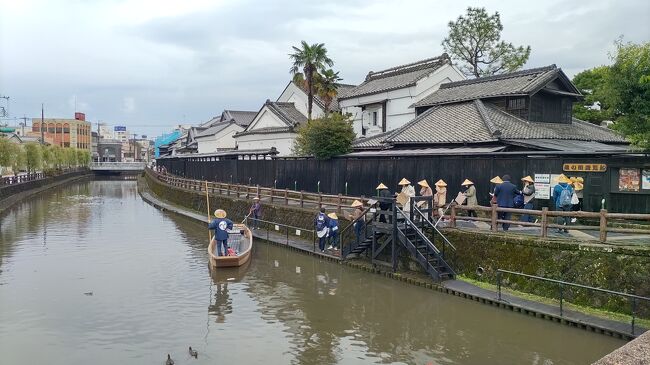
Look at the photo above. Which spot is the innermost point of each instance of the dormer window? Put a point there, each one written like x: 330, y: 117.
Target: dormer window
x: 516, y: 103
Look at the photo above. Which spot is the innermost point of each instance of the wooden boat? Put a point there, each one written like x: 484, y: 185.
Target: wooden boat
x: 241, y: 240
x: 229, y: 274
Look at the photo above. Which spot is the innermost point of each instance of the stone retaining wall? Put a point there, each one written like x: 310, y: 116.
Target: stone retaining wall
x: 624, y: 269
x: 11, y: 194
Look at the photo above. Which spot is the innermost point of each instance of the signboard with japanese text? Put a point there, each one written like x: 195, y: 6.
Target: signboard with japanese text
x: 554, y: 181
x: 119, y: 128
x: 584, y: 167
x: 542, y: 186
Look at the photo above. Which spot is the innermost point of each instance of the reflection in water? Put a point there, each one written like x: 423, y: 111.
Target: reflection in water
x: 148, y: 272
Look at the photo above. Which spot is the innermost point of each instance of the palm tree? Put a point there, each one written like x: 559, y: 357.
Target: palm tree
x: 326, y: 84
x: 310, y: 59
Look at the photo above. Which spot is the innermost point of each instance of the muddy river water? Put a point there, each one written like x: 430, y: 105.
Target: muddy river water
x: 91, y: 274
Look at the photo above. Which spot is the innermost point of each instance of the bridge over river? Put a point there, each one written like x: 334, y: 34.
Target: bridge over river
x: 91, y: 274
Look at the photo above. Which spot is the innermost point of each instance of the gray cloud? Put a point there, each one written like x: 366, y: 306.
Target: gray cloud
x: 149, y: 67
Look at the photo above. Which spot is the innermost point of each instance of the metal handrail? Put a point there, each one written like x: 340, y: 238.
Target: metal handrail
x: 287, y: 226
x: 432, y: 225
x: 562, y: 283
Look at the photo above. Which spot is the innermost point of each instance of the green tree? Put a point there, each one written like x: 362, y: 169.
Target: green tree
x: 475, y: 40
x: 594, y: 85
x: 8, y: 151
x: 326, y: 137
x: 326, y: 85
x: 309, y: 59
x: 33, y: 157
x: 19, y: 158
x: 58, y: 156
x: 48, y: 156
x: 629, y: 82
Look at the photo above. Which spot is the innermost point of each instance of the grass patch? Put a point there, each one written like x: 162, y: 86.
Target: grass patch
x: 614, y: 316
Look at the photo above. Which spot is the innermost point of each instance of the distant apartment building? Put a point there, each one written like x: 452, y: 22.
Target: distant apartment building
x: 120, y: 133
x: 105, y: 132
x: 74, y: 133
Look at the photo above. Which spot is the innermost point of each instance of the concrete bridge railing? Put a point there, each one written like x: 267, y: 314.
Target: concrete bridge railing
x: 118, y: 166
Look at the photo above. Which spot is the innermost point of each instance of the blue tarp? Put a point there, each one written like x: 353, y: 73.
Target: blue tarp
x: 166, y: 139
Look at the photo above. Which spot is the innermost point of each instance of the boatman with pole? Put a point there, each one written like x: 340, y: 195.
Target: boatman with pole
x: 221, y: 225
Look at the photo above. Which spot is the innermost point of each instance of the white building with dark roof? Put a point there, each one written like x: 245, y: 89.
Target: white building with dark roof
x: 524, y: 110
x: 274, y: 126
x: 383, y: 102
x: 219, y: 132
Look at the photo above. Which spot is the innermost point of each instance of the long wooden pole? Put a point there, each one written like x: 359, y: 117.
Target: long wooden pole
x: 207, y: 199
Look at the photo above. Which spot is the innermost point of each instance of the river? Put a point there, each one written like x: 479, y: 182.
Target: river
x: 91, y: 274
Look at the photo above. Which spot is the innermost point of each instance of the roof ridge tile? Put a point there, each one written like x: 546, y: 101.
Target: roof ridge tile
x: 479, y: 80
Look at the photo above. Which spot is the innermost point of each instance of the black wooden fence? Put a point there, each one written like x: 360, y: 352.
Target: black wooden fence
x: 360, y: 176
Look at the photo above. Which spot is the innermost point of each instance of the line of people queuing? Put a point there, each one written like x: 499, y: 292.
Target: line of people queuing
x: 567, y: 196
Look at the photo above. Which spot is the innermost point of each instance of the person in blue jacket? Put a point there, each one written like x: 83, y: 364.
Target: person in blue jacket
x: 505, y: 194
x: 333, y: 231
x: 562, y: 193
x: 221, y: 225
x: 321, y: 223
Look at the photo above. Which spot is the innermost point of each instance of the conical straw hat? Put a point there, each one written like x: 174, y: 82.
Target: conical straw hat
x: 441, y: 182
x: 528, y: 178
x: 424, y: 183
x: 404, y: 182
x: 356, y: 203
x: 580, y: 179
x: 496, y: 180
x: 578, y: 185
x: 381, y: 186
x: 333, y: 215
x: 467, y: 182
x: 220, y: 213
x: 564, y: 179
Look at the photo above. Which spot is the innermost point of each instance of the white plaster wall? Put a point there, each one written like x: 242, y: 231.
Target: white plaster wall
x: 222, y: 140
x: 398, y: 111
x: 283, y: 142
x: 294, y: 94
x: 266, y: 119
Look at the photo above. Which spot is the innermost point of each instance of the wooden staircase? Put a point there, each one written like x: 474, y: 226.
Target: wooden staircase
x: 402, y: 232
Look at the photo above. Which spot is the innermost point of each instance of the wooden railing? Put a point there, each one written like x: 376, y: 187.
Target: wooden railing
x: 272, y: 195
x: 301, y: 198
x: 545, y: 219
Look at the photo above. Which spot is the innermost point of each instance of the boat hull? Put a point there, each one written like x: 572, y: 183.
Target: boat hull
x: 233, y: 261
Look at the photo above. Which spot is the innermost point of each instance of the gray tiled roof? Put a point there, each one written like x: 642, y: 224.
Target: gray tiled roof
x: 512, y: 127
x: 523, y: 82
x: 213, y: 130
x: 372, y: 142
x: 240, y: 117
x: 266, y: 130
x: 455, y: 123
x: 477, y: 122
x: 341, y: 91
x: 397, y: 77
x: 287, y: 112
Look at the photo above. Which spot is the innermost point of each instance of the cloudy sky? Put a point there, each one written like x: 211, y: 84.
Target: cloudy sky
x: 151, y: 64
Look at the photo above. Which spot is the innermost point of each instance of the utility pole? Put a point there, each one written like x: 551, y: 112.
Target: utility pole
x: 23, y: 124
x: 134, y: 147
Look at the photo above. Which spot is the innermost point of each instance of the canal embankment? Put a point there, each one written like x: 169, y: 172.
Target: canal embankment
x: 13, y: 193
x: 485, y: 251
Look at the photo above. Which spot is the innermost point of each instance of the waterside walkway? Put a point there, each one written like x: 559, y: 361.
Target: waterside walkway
x: 454, y: 287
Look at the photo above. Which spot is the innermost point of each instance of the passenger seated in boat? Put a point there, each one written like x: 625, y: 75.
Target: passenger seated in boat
x: 221, y: 225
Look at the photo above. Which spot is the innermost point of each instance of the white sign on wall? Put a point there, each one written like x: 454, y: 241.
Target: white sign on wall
x: 542, y: 186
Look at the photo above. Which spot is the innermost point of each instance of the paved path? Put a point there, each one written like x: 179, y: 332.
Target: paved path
x: 544, y: 309
x: 573, y: 235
